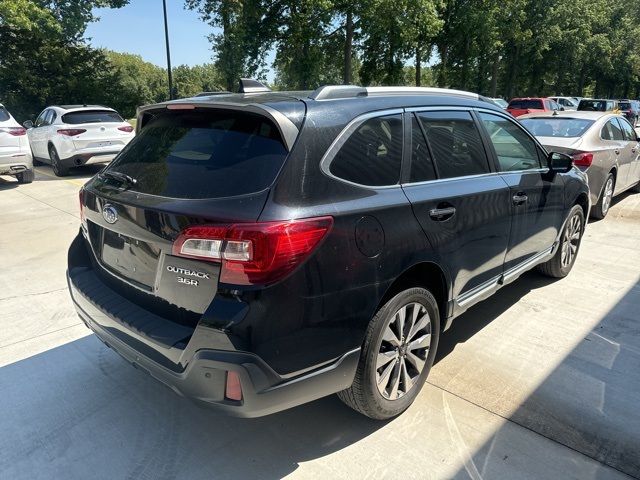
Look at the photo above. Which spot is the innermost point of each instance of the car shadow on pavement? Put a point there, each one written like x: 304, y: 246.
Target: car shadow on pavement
x: 80, y: 411
x: 479, y: 316
x: 81, y: 173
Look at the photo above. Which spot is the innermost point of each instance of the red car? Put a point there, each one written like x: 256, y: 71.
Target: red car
x: 522, y: 106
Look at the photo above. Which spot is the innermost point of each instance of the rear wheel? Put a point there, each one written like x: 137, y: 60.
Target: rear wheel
x: 58, y: 168
x: 600, y: 209
x: 25, y: 177
x: 397, y: 354
x: 562, y: 262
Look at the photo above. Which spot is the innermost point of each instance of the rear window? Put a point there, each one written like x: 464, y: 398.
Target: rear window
x: 624, y: 106
x: 91, y: 116
x: 4, y: 115
x: 197, y: 154
x: 593, y: 105
x: 525, y: 104
x: 556, y: 126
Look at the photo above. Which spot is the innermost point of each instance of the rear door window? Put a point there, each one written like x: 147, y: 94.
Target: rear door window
x: 372, y: 155
x: 455, y: 143
x: 203, y: 154
x: 422, y: 168
x: 91, y: 116
x: 612, y: 131
x: 627, y: 130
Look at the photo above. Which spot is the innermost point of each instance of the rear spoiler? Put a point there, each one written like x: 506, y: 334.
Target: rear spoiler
x: 288, y: 130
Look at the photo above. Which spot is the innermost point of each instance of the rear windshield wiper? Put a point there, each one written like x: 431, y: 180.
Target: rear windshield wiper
x: 122, y: 177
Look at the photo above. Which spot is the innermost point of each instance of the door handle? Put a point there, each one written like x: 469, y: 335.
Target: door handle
x: 442, y: 214
x: 520, y: 198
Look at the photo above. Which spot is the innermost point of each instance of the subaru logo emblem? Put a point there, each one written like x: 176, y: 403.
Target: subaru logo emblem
x: 109, y: 213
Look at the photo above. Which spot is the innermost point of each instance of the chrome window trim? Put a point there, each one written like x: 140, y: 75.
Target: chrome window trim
x: 343, y: 136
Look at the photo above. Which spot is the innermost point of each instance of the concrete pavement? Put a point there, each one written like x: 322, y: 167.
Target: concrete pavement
x: 539, y: 381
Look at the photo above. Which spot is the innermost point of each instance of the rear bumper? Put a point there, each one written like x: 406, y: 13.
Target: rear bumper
x: 13, y: 163
x: 90, y: 158
x: 202, y: 377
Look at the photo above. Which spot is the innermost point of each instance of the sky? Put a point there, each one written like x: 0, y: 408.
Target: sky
x: 139, y: 28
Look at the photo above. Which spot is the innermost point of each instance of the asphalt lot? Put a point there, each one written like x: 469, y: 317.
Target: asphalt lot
x: 540, y: 381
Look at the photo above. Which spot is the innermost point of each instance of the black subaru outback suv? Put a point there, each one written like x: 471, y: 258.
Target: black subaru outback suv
x: 257, y: 251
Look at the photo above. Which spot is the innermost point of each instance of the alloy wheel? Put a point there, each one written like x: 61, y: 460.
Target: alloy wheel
x: 607, y: 195
x: 571, y: 241
x: 403, y: 351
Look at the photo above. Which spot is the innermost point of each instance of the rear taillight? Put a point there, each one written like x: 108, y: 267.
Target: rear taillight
x: 14, y: 131
x: 583, y: 159
x: 126, y: 128
x: 71, y: 132
x: 254, y: 253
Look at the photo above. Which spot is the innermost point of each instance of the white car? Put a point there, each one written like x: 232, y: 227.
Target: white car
x: 568, y: 103
x: 15, y: 155
x: 73, y: 135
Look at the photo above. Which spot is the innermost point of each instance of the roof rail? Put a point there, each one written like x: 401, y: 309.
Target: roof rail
x: 328, y: 92
x: 249, y: 85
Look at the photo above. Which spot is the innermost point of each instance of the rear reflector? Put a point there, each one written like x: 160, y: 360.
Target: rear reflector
x: 583, y: 159
x: 14, y: 131
x: 254, y: 253
x: 71, y: 132
x: 126, y: 128
x: 233, y: 389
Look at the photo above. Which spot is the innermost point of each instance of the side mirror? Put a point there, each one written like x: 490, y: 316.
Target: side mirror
x: 559, y: 162
x: 28, y: 124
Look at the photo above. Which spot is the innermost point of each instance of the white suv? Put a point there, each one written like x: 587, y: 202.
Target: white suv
x: 15, y: 155
x: 72, y: 135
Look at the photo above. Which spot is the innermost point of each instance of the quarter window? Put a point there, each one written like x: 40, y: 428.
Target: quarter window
x: 372, y: 155
x: 455, y: 143
x: 421, y: 163
x: 514, y: 148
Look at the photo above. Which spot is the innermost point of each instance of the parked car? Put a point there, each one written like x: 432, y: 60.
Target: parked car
x: 73, y: 135
x: 15, y: 155
x: 568, y: 103
x: 501, y: 102
x: 597, y: 105
x: 522, y: 106
x: 603, y: 145
x: 631, y: 110
x: 256, y: 252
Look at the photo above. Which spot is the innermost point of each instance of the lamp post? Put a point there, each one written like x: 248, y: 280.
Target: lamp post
x: 166, y: 38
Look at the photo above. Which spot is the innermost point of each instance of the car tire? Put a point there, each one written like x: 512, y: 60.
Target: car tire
x: 602, y: 206
x: 59, y: 169
x: 562, y: 261
x: 387, y: 358
x: 25, y: 177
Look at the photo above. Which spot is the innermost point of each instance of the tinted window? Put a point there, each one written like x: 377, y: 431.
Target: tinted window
x: 612, y: 131
x: 421, y: 162
x: 593, y: 105
x: 525, y: 104
x: 625, y: 106
x: 203, y: 155
x: 41, y: 117
x: 4, y: 115
x: 48, y: 118
x: 91, y: 116
x: 556, y: 126
x: 514, y: 148
x: 455, y: 143
x: 372, y: 154
x: 627, y: 130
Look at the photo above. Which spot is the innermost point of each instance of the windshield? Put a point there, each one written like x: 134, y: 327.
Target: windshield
x: 203, y: 154
x: 92, y: 116
x: 526, y: 104
x: 557, y: 126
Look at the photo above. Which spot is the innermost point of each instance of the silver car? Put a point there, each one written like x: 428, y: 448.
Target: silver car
x: 602, y: 144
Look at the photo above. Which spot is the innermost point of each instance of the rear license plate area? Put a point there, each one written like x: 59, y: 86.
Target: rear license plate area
x: 130, y: 258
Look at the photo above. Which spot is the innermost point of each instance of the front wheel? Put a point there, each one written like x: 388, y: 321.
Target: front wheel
x: 562, y: 262
x: 398, y: 352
